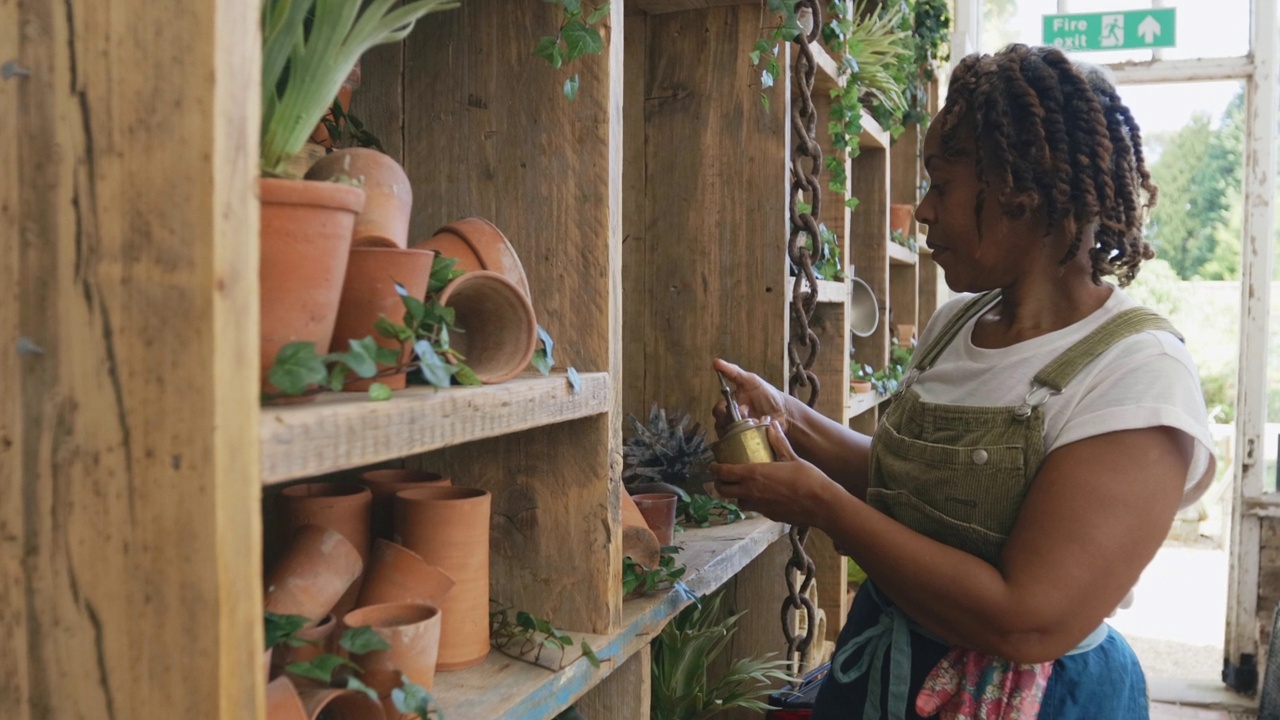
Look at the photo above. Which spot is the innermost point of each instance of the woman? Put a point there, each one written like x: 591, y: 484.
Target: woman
x: 1047, y: 432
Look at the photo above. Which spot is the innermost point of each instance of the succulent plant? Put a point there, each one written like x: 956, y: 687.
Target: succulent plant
x: 666, y: 450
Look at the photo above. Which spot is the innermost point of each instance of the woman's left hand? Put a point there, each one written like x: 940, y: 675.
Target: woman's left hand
x: 787, y: 490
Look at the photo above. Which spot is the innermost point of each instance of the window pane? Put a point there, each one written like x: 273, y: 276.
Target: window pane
x: 1204, y: 29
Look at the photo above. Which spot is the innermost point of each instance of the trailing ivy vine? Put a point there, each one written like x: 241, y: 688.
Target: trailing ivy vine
x: 577, y: 36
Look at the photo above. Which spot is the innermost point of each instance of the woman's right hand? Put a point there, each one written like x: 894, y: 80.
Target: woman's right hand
x: 756, y: 398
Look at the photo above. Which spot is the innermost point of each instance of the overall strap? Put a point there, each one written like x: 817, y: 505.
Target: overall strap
x: 948, y: 333
x: 1063, y: 368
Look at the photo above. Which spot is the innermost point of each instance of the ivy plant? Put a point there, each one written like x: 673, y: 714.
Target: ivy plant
x: 544, y: 360
x: 766, y: 55
x: 577, y: 36
x: 702, y: 510
x: 638, y: 580
x: 525, y: 637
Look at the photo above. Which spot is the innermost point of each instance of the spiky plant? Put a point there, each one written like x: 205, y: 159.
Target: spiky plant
x: 668, y: 450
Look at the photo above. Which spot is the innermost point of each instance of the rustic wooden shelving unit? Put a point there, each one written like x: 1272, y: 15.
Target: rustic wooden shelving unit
x: 651, y: 216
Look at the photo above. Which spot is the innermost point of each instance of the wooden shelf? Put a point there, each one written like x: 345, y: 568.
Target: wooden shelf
x: 828, y: 76
x: 657, y: 7
x: 873, y: 136
x: 862, y: 402
x: 829, y: 291
x: 504, y: 687
x: 899, y: 255
x: 341, y: 431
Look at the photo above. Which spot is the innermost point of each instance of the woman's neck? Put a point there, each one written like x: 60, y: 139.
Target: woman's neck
x: 1037, y: 306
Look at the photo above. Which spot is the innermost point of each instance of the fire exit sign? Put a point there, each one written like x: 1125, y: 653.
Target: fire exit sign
x: 1127, y: 30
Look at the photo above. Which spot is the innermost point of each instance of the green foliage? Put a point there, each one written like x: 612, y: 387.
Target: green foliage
x: 577, y: 36
x: 639, y: 580
x: 346, y: 130
x: 666, y: 450
x: 544, y: 360
x: 702, y: 510
x: 308, y: 49
x: 361, y: 640
x: 888, y: 380
x: 857, y: 575
x: 900, y: 238
x: 413, y: 699
x: 1157, y: 287
x: 684, y: 687
x: 283, y: 628
x: 526, y: 636
x: 768, y: 49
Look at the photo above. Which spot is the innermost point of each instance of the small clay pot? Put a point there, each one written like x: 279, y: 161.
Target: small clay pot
x: 331, y: 704
x: 283, y: 702
x: 449, y: 528
x: 659, y: 510
x: 266, y: 664
x: 638, y: 541
x: 384, y: 222
x: 304, y: 246
x: 413, y: 632
x: 313, y: 573
x: 384, y: 484
x: 320, y: 639
x: 499, y: 330
x: 860, y: 387
x: 344, y: 507
x: 369, y: 292
x: 900, y: 218
x: 478, y: 244
x: 397, y: 574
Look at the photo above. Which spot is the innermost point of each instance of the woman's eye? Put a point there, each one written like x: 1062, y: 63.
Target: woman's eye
x: 936, y: 187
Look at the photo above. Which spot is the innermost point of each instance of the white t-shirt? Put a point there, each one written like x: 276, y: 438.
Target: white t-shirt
x: 1145, y: 380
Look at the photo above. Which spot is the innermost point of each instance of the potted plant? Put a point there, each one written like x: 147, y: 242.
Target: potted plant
x: 860, y: 378
x: 309, y: 49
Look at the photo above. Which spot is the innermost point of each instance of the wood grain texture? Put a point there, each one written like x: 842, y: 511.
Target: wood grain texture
x: 636, y: 319
x: 903, y: 294
x: 716, y: 218
x: 869, y: 238
x: 128, y: 502
x: 504, y: 687
x: 490, y: 134
x: 905, y: 170
x: 655, y: 7
x: 832, y: 573
x: 928, y: 297
x: 346, y: 430
x: 379, y: 101
x: 624, y: 695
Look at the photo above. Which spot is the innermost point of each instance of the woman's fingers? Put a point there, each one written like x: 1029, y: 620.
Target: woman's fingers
x: 778, y: 440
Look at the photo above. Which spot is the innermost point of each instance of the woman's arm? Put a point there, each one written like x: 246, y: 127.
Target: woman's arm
x: 1094, y: 517
x: 839, y: 452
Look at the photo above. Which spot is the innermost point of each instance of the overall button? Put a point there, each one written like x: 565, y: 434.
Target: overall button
x: 979, y: 457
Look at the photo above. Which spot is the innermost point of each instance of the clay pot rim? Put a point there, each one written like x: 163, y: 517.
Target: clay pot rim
x: 352, y: 489
x: 522, y: 300
x: 375, y: 476
x: 311, y: 193
x: 300, y: 708
x: 446, y: 493
x: 480, y: 276
x: 460, y: 230
x: 389, y: 249
x: 419, y: 612
x: 654, y: 497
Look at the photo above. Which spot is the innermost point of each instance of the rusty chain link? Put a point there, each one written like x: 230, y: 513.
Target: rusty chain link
x: 798, y: 608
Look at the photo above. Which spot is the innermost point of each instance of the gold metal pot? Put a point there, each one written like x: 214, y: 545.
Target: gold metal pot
x: 746, y: 441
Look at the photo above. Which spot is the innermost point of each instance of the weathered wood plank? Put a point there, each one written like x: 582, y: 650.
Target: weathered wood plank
x: 345, y: 430
x: 636, y: 318
x: 759, y: 589
x: 903, y: 294
x: 928, y: 299
x: 900, y: 255
x: 493, y: 136
x: 379, y: 101
x: 869, y: 239
x: 716, y: 169
x: 503, y: 687
x: 132, y: 496
x: 624, y: 695
x: 655, y: 7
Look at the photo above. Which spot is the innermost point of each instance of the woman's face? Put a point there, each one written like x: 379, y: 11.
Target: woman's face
x: 975, y: 253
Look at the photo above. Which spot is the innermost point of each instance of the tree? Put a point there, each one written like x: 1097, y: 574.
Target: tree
x: 1193, y: 197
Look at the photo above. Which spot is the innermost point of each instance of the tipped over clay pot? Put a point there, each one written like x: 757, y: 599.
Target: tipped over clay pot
x: 499, y: 330
x: 344, y: 507
x: 319, y: 639
x: 478, y: 244
x: 384, y: 222
x: 333, y: 704
x: 314, y: 572
x: 283, y: 702
x: 384, y: 484
x: 396, y: 574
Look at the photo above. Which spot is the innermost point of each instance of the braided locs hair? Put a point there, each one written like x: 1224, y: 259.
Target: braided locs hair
x: 1055, y: 136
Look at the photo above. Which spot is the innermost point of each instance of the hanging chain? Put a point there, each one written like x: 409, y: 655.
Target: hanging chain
x: 798, y: 609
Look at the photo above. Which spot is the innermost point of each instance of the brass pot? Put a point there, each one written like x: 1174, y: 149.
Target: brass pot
x: 746, y: 441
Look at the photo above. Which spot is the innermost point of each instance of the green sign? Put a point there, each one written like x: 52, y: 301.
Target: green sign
x: 1127, y: 30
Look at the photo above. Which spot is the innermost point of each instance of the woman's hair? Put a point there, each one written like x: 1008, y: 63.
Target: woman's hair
x: 1054, y: 136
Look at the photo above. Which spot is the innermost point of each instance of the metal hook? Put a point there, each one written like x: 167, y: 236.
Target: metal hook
x: 12, y: 69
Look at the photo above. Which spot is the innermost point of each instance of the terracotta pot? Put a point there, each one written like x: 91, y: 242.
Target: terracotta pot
x: 900, y: 218
x: 266, y: 664
x: 413, y: 632
x: 396, y: 574
x: 320, y: 135
x: 638, y: 541
x: 332, y: 704
x: 283, y: 702
x: 344, y: 507
x: 499, y: 330
x: 305, y: 243
x: 322, y: 640
x: 659, y: 510
x: 449, y: 528
x: 384, y: 222
x: 313, y: 573
x: 369, y: 292
x: 384, y: 484
x: 860, y: 387
x: 478, y: 244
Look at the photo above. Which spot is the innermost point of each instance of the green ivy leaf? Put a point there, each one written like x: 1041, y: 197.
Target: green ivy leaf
x: 321, y: 668
x: 379, y: 392
x: 415, y: 310
x: 392, y: 331
x: 548, y: 344
x: 765, y: 99
x: 549, y: 49
x: 466, y: 376
x: 571, y: 6
x: 766, y: 79
x: 580, y: 39
x: 600, y: 13
x: 434, y: 369
x: 280, y: 628
x: 851, y: 203
x: 571, y: 88
x: 354, y: 684
x: 361, y: 640
x: 412, y: 698
x: 590, y: 654
x: 575, y: 381
x: 360, y: 357
x: 297, y: 367
x: 541, y: 362
x: 386, y: 356
x: 337, y: 377
x: 443, y: 272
